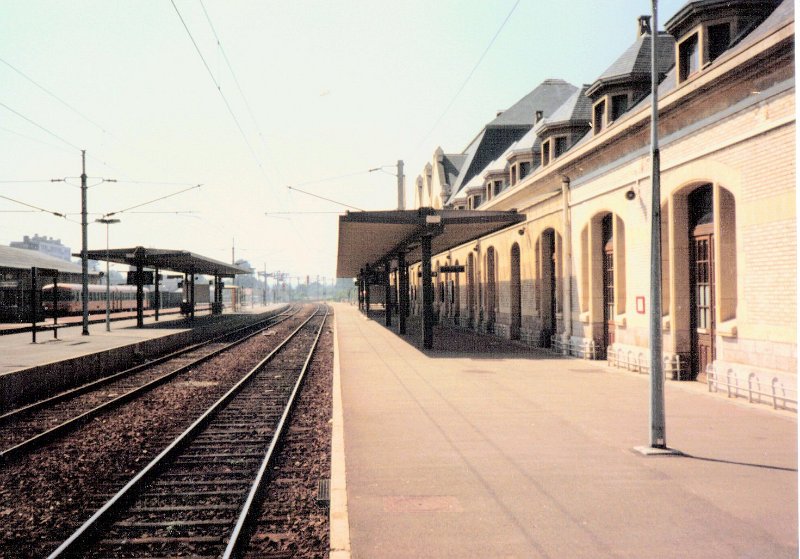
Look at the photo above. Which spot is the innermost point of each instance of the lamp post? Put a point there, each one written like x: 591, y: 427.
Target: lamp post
x: 108, y: 279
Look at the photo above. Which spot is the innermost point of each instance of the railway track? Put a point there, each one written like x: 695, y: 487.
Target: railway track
x: 197, y: 497
x: 37, y: 424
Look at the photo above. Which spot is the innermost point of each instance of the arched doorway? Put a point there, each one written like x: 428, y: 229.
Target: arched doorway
x: 548, y: 286
x: 608, y: 281
x: 516, y: 293
x: 491, y: 288
x: 701, y: 280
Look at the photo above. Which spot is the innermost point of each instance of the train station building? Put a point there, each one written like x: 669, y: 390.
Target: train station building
x: 573, y: 161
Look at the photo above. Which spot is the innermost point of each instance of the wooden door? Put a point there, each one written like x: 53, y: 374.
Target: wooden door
x: 702, y: 300
x: 609, y: 328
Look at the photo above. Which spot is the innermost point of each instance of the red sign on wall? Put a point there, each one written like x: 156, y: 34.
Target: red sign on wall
x: 640, y: 304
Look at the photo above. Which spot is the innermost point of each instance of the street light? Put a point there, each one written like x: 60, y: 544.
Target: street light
x: 108, y: 279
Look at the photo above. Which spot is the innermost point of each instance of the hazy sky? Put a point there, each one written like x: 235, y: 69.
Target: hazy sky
x: 331, y: 89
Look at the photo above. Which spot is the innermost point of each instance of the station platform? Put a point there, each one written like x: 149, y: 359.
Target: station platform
x: 471, y: 451
x: 72, y: 358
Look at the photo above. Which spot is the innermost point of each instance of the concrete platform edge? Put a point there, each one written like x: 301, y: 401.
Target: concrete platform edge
x: 339, y: 527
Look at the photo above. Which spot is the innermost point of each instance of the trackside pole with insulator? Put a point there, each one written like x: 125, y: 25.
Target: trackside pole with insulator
x: 84, y: 250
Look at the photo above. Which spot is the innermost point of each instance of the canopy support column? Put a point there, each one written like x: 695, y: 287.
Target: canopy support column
x: 366, y: 293
x: 402, y: 295
x: 427, y: 294
x: 360, y: 290
x: 139, y: 295
x: 191, y: 293
x: 388, y: 293
x: 157, y: 297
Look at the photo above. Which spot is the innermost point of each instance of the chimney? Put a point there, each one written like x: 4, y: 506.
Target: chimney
x: 539, y: 116
x: 643, y: 26
x: 499, y: 113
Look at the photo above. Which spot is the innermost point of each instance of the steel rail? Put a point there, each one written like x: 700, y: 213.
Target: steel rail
x: 237, y: 539
x: 80, y: 539
x: 89, y: 386
x: 74, y: 422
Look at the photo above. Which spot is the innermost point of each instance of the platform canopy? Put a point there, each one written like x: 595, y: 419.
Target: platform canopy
x: 371, y: 238
x: 166, y: 259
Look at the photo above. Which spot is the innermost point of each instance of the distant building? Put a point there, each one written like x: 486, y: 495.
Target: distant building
x: 16, y: 279
x: 46, y: 245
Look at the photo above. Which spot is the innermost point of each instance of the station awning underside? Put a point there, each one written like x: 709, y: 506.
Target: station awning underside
x: 371, y: 238
x: 166, y: 259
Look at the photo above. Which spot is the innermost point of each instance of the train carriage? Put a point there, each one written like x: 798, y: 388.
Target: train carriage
x: 69, y: 296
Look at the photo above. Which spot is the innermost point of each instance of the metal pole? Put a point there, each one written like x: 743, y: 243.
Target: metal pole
x: 658, y: 437
x: 84, y: 249
x: 108, y: 286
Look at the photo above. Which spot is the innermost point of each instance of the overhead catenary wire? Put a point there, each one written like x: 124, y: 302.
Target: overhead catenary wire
x: 323, y: 198
x: 37, y: 125
x: 37, y: 208
x: 53, y: 95
x: 219, y: 88
x: 230, y: 68
x: 470, y: 74
x: 37, y: 140
x: 152, y: 201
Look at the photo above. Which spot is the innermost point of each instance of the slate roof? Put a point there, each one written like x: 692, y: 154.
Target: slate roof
x: 20, y: 258
x: 635, y: 62
x: 508, y: 127
x: 452, y: 163
x: 529, y: 141
x: 577, y: 109
x: 546, y: 97
x: 782, y: 15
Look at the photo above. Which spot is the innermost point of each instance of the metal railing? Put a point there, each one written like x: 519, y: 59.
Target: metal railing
x: 586, y: 349
x: 640, y: 362
x: 776, y: 392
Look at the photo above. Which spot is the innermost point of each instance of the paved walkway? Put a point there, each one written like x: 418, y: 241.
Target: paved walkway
x: 516, y: 453
x: 17, y: 352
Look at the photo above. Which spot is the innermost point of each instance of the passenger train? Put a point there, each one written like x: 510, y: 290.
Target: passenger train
x: 123, y: 298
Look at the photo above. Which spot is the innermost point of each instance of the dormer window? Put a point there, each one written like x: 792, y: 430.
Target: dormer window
x: 619, y: 104
x: 545, y: 153
x: 524, y: 169
x: 688, y: 57
x: 701, y: 46
x: 599, y: 113
x: 719, y: 39
x: 559, y: 146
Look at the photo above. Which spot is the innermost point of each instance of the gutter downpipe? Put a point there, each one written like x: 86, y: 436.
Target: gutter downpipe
x: 566, y: 311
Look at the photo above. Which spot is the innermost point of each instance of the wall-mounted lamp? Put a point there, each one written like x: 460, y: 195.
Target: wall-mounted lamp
x: 630, y: 194
x: 521, y: 231
x: 475, y: 248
